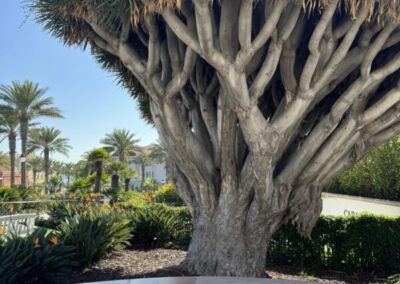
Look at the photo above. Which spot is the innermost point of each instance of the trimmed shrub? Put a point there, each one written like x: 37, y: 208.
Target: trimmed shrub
x: 37, y: 258
x: 361, y: 243
x: 167, y: 194
x: 95, y: 234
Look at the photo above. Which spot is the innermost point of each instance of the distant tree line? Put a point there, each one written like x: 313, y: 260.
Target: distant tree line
x: 377, y: 175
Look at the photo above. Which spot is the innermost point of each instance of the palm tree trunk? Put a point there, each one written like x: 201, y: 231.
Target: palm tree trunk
x: 34, y: 173
x: 24, y: 137
x: 99, y: 173
x: 127, y: 182
x: 114, y: 181
x: 121, y: 157
x: 143, y: 173
x: 68, y: 178
x: 12, y: 146
x: 46, y: 157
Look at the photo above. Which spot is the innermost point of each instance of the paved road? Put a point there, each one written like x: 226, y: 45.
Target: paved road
x: 339, y: 205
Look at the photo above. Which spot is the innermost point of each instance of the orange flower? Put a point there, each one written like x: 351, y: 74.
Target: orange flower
x: 54, y: 240
x: 10, y: 208
x: 36, y: 242
x: 1, y: 230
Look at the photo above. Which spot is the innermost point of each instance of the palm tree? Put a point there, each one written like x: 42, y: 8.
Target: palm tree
x: 157, y: 153
x: 121, y: 142
x: 9, y: 127
x: 127, y: 174
x: 68, y: 170
x: 56, y: 167
x: 4, y: 160
x: 28, y: 102
x: 36, y: 164
x: 48, y: 140
x: 98, y: 157
x: 115, y: 168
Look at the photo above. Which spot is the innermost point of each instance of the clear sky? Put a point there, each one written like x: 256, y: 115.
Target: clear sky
x: 89, y: 97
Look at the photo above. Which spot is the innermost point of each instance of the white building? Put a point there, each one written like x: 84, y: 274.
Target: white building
x: 154, y: 170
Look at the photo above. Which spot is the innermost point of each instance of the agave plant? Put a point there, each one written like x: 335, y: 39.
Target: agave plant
x: 38, y: 258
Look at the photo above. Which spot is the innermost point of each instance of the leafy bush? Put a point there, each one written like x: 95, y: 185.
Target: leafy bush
x: 58, y: 212
x: 18, y: 194
x: 160, y: 226
x: 148, y: 184
x: 361, y: 243
x: 95, y: 234
x: 128, y: 199
x: 375, y: 176
x: 80, y: 184
x: 10, y: 194
x: 167, y: 194
x: 38, y: 258
x: 54, y: 184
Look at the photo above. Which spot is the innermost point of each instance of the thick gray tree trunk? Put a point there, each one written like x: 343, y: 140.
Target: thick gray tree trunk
x: 222, y: 245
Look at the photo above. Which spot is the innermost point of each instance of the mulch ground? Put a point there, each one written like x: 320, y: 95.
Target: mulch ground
x: 130, y: 264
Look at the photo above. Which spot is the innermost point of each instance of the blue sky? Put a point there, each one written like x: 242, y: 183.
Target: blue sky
x: 89, y: 97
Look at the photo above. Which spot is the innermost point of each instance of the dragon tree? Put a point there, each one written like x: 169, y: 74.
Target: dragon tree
x: 258, y: 103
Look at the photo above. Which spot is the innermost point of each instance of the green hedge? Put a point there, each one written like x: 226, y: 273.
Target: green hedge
x: 363, y: 243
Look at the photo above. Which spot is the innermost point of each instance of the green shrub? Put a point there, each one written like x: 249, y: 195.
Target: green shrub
x: 129, y: 199
x: 152, y: 226
x: 160, y: 226
x: 10, y: 194
x: 80, y: 184
x: 167, y: 194
x: 95, y: 234
x: 375, y: 176
x: 38, y: 258
x: 361, y: 243
x: 58, y: 212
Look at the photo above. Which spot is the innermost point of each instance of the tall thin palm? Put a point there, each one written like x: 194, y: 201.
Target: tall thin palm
x: 28, y: 101
x: 9, y: 123
x: 36, y: 165
x: 48, y: 140
x: 121, y: 142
